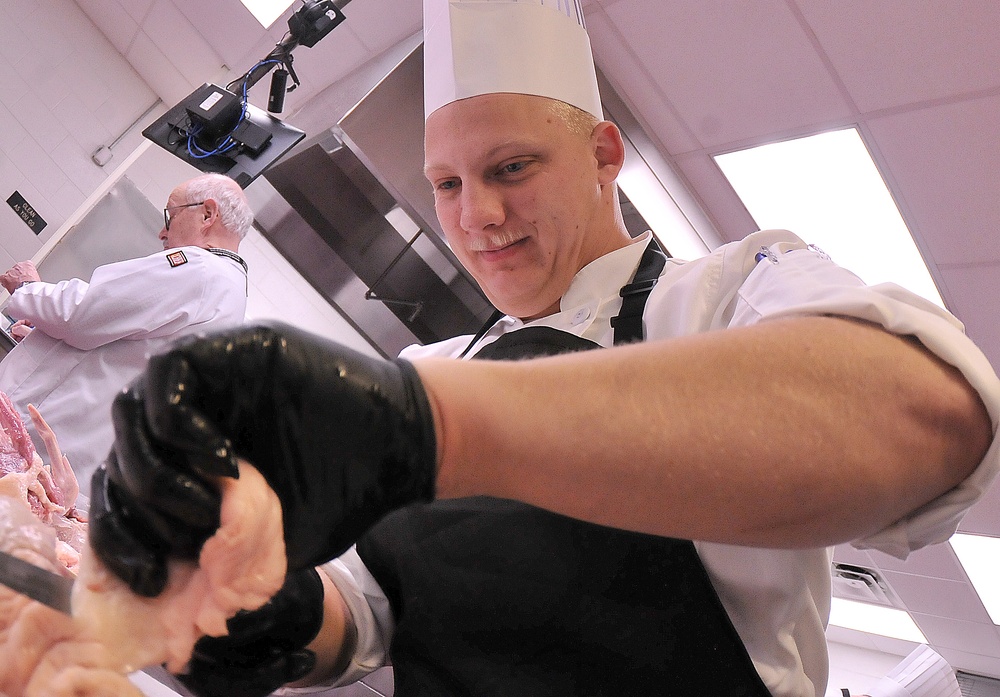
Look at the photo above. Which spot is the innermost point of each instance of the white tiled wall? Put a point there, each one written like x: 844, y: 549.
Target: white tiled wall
x: 64, y: 92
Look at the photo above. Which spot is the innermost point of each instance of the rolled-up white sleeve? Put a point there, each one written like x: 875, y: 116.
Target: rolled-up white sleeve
x: 371, y: 614
x: 797, y: 281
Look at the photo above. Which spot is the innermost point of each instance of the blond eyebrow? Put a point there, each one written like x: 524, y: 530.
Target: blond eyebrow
x: 518, y: 144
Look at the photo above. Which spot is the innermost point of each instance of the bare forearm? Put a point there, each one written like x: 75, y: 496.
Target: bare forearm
x: 793, y: 433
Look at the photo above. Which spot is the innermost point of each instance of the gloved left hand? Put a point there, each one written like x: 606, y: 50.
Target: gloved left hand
x: 265, y: 648
x: 341, y: 438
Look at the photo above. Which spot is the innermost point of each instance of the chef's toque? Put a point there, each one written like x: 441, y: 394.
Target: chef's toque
x: 924, y: 673
x: 537, y: 47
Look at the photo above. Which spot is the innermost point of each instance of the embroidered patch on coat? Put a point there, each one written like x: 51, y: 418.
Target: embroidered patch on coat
x: 177, y: 258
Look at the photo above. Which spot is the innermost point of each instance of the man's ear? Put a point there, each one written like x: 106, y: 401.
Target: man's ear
x: 211, y: 212
x: 609, y: 150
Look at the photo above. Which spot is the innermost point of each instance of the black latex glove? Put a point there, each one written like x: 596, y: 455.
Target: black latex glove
x: 265, y: 648
x: 341, y: 438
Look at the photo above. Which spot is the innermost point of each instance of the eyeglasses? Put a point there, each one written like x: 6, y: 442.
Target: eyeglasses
x: 166, y: 212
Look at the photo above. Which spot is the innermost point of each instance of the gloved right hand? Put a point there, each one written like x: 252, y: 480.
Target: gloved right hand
x: 265, y: 648
x: 342, y: 439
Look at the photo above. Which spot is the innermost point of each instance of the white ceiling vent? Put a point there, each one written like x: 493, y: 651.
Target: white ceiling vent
x: 863, y: 585
x: 977, y: 685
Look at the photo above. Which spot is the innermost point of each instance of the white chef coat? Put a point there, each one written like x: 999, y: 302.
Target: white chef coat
x: 91, y: 339
x: 778, y: 600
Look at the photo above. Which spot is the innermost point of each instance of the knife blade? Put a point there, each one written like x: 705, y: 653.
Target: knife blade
x: 35, y: 582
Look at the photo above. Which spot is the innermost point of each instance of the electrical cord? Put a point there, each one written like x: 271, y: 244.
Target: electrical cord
x: 226, y: 143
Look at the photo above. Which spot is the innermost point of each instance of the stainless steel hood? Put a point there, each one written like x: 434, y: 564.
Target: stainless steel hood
x: 355, y: 215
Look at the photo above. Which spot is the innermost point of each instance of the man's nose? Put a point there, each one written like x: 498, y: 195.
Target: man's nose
x: 482, y: 207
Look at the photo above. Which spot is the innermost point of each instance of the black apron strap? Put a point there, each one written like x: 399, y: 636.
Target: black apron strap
x: 533, y: 342
x: 493, y: 319
x: 628, y: 323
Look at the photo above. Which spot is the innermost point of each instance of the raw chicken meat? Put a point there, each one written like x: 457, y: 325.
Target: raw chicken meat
x: 240, y: 567
x: 114, y: 632
x: 49, y: 491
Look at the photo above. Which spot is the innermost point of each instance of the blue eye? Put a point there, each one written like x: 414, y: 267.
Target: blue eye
x: 513, y: 167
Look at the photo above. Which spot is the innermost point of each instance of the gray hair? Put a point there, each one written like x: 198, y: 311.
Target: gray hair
x: 233, y: 207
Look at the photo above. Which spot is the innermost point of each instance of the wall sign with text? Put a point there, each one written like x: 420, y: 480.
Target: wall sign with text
x: 26, y: 212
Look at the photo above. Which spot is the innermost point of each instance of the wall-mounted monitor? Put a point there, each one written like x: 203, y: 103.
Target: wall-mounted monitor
x: 212, y: 133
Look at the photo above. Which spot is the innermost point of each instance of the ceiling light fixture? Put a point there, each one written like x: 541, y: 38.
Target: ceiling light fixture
x: 266, y: 11
x: 826, y: 189
x: 980, y: 557
x: 875, y: 619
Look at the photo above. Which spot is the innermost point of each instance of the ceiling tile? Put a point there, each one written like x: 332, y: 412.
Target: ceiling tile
x: 972, y: 293
x: 187, y: 49
x: 158, y: 72
x: 636, y: 87
x: 935, y: 596
x: 717, y: 61
x: 890, y: 53
x: 972, y: 637
x: 937, y: 561
x: 851, y: 637
x: 225, y: 25
x: 896, y: 647
x: 945, y: 177
x: 984, y: 517
x: 381, y: 24
x: 974, y: 663
x: 847, y: 554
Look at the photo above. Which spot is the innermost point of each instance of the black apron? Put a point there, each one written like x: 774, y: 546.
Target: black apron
x: 498, y: 598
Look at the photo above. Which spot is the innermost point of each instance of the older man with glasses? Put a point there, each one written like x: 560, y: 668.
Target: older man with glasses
x: 80, y: 342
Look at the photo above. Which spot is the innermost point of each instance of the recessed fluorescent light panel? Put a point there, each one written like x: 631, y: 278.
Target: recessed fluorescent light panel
x: 980, y: 557
x: 266, y: 11
x: 875, y: 619
x: 826, y: 189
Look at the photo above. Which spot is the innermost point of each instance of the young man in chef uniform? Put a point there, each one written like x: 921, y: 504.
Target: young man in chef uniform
x: 769, y: 405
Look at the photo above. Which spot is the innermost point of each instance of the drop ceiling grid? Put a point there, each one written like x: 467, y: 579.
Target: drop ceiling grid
x: 949, y: 179
x: 727, y: 85
x: 888, y: 58
x: 634, y: 83
x: 225, y: 25
x: 938, y: 597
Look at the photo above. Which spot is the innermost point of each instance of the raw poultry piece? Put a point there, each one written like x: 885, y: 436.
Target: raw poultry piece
x: 50, y: 492
x: 113, y: 632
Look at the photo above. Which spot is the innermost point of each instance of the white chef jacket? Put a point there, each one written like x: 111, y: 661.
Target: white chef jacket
x: 91, y: 339
x: 777, y: 599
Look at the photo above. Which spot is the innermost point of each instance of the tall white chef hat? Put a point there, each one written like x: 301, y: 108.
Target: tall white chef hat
x: 538, y: 47
x: 924, y: 673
